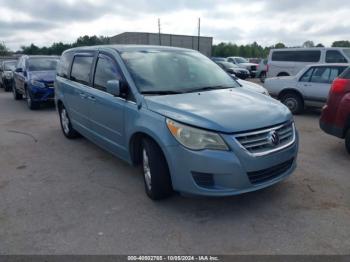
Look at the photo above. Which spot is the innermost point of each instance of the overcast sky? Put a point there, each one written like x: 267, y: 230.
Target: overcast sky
x: 240, y: 21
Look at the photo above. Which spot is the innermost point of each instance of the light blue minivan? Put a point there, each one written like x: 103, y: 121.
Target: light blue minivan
x: 191, y: 127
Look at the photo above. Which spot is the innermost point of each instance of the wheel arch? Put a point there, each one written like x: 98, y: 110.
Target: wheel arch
x: 135, y: 143
x: 290, y: 90
x: 283, y: 73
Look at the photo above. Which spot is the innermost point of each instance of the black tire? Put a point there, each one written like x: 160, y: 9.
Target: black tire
x: 157, y: 182
x: 262, y: 77
x: 294, y: 102
x: 16, y: 95
x: 66, y: 127
x: 32, y: 105
x: 347, y: 141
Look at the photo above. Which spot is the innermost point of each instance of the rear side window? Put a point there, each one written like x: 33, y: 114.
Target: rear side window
x: 81, y: 69
x: 63, y: 66
x: 324, y: 75
x: 106, y: 70
x: 297, y: 56
x: 334, y: 56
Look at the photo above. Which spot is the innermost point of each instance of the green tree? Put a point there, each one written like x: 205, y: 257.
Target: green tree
x: 342, y: 43
x: 280, y: 45
x: 308, y: 44
x: 319, y: 45
x: 4, y: 50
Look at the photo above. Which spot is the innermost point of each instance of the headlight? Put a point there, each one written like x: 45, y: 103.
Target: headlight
x: 37, y: 83
x: 194, y: 138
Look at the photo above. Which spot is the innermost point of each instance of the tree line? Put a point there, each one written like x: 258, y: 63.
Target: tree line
x: 253, y: 50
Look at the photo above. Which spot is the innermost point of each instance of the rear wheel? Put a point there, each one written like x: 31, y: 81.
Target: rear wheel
x: 66, y: 124
x: 32, y: 105
x: 155, y: 171
x: 294, y: 102
x: 347, y: 141
x: 16, y: 95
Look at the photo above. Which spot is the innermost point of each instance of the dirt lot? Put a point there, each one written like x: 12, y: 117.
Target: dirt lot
x: 70, y: 197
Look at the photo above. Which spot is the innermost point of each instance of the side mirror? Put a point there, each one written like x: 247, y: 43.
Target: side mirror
x: 113, y: 87
x: 19, y: 70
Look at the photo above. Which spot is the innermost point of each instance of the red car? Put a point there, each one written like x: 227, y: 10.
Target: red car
x: 335, y: 118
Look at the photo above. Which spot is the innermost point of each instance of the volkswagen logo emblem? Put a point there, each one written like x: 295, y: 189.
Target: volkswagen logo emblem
x: 273, y: 138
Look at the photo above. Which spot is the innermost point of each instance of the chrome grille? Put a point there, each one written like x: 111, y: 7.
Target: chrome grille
x: 266, y: 141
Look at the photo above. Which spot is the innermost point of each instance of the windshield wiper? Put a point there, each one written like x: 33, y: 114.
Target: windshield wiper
x: 208, y: 88
x: 161, y: 92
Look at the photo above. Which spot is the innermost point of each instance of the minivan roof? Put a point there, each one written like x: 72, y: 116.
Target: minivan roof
x: 123, y: 48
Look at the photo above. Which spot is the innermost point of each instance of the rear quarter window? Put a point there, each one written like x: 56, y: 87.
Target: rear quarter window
x: 81, y: 69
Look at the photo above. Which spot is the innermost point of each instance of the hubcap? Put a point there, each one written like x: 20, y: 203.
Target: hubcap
x: 147, y: 169
x: 291, y: 103
x: 65, y: 121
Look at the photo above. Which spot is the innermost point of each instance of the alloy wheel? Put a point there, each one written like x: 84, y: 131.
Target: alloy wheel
x: 146, y: 169
x: 65, y: 121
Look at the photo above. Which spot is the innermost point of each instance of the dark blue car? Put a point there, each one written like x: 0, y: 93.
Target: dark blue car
x: 33, y: 79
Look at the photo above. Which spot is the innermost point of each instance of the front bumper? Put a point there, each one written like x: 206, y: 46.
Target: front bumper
x: 225, y: 173
x: 42, y: 94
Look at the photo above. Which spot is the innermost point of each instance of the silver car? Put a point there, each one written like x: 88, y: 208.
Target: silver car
x: 310, y: 87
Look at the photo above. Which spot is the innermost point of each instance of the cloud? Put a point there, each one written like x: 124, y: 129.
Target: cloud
x: 239, y: 21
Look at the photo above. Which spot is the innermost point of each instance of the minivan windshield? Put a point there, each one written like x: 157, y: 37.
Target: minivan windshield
x: 42, y: 64
x: 10, y: 66
x: 174, y: 71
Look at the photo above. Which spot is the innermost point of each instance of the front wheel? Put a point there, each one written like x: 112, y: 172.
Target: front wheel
x: 155, y: 171
x: 66, y: 124
x: 347, y: 141
x: 294, y: 102
x: 32, y: 105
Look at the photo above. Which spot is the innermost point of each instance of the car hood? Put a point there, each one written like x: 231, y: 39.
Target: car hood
x: 226, y: 111
x: 248, y: 64
x: 252, y: 86
x: 45, y: 76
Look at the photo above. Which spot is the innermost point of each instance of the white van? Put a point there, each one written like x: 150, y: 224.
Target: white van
x: 289, y: 61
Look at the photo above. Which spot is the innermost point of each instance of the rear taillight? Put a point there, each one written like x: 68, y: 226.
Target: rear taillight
x: 340, y: 85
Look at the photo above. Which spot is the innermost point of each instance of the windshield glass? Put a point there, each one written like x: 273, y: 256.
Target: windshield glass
x: 174, y: 71
x: 347, y: 52
x: 42, y: 64
x: 241, y: 60
x: 10, y: 66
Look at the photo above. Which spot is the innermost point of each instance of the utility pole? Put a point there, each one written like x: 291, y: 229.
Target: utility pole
x: 160, y: 40
x: 199, y: 31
